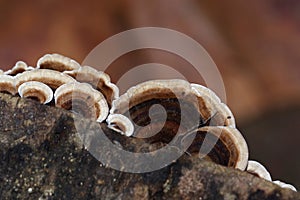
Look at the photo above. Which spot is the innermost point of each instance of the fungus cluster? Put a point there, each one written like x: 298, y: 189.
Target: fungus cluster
x: 191, y: 112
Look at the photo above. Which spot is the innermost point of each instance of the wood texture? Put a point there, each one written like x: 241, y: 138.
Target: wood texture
x: 43, y: 157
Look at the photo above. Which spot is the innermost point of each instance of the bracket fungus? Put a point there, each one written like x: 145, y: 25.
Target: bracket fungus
x: 36, y: 90
x: 182, y: 103
x: 52, y: 78
x: 258, y: 169
x: 120, y: 123
x: 98, y: 79
x: 57, y: 62
x: 169, y: 94
x: 285, y: 185
x: 160, y: 90
x: 220, y: 144
x: 19, y: 67
x: 82, y: 99
x: 164, y: 112
x: 7, y: 84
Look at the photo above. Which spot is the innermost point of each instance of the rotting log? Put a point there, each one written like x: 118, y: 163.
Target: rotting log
x: 42, y: 157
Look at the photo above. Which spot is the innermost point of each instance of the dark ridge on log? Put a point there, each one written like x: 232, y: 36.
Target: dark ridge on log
x: 42, y: 157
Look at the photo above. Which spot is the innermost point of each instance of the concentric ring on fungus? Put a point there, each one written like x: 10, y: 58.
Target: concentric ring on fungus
x: 52, y: 78
x: 57, y: 62
x: 211, y: 136
x: 169, y: 94
x: 36, y: 90
x: 83, y: 99
x: 98, y: 79
x: 230, y: 148
x: 159, y: 89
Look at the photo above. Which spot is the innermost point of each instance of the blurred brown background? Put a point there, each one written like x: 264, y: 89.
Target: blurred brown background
x: 256, y: 46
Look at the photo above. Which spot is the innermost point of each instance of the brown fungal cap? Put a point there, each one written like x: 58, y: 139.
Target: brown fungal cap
x: 258, y: 169
x: 83, y: 99
x: 19, y: 67
x: 36, y: 90
x: 98, y: 79
x: 222, y: 145
x: 52, y: 78
x: 57, y: 62
x: 7, y: 84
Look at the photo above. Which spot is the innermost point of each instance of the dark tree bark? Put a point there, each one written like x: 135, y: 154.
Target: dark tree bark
x: 42, y: 156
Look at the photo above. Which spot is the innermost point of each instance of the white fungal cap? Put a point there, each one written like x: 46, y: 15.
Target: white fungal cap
x: 120, y: 123
x: 52, y: 78
x: 83, y: 99
x: 57, y: 62
x: 36, y: 90
x: 98, y: 79
x: 1, y: 72
x: 222, y: 113
x: 232, y: 142
x: 7, y: 84
x: 19, y: 67
x: 258, y: 169
x: 285, y: 185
